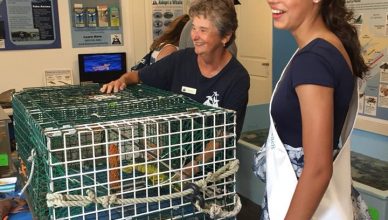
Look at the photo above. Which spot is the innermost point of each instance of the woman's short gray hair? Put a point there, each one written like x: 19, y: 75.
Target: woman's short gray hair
x: 220, y: 12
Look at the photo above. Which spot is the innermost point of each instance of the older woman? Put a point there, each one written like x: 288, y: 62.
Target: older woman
x: 185, y: 40
x: 207, y: 73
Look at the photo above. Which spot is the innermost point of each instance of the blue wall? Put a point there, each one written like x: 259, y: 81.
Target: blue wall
x: 282, y: 49
x: 256, y: 117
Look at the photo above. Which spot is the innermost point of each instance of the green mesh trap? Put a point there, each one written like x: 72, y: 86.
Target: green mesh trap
x: 137, y: 143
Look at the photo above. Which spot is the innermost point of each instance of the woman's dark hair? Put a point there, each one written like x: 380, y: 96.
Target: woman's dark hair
x: 222, y: 14
x: 172, y: 33
x: 338, y: 19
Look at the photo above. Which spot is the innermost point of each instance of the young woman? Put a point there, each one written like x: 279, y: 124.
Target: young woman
x: 308, y: 112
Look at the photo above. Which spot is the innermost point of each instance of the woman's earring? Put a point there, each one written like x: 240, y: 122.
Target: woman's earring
x: 316, y: 1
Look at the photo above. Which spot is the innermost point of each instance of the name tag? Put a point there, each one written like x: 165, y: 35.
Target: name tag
x: 189, y: 90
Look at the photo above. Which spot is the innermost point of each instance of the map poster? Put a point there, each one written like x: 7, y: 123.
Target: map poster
x: 371, y: 21
x: 163, y: 12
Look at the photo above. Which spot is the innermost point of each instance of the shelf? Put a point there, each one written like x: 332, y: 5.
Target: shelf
x: 373, y: 125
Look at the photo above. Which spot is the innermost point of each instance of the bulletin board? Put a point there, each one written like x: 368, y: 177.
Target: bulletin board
x: 29, y: 24
x: 163, y: 12
x: 371, y: 21
x: 96, y: 23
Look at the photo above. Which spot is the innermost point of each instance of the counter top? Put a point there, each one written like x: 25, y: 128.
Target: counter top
x: 255, y: 137
x: 4, y: 115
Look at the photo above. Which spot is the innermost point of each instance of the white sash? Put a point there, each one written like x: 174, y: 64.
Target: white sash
x: 281, y: 178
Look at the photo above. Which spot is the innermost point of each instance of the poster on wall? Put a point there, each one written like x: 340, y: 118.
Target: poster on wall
x: 163, y: 12
x: 29, y: 24
x: 371, y: 21
x: 96, y: 23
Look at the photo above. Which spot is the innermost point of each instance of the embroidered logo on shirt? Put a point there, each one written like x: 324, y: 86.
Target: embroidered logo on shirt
x: 189, y: 90
x: 212, y: 100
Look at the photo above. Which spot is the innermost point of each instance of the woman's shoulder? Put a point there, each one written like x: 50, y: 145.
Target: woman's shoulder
x: 185, y: 54
x: 235, y: 64
x: 235, y: 71
x: 323, y: 48
x: 185, y: 58
x: 169, y: 46
x: 166, y: 50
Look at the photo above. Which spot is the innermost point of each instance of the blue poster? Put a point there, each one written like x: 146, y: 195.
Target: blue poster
x: 29, y: 24
x: 96, y: 23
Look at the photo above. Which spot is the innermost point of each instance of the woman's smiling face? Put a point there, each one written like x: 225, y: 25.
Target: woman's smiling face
x: 291, y: 14
x: 205, y: 36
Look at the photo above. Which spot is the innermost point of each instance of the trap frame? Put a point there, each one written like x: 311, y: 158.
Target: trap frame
x: 142, y: 153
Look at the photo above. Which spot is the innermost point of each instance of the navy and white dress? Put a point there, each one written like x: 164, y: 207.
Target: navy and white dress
x: 318, y: 63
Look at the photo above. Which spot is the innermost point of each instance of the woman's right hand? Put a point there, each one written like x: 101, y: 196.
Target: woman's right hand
x: 113, y: 86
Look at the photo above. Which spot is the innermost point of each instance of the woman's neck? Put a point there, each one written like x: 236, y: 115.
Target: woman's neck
x: 210, y: 66
x: 312, y: 29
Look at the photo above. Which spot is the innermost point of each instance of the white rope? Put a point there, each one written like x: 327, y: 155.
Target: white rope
x: 30, y: 158
x: 215, y: 211
x: 64, y: 200
x: 58, y: 200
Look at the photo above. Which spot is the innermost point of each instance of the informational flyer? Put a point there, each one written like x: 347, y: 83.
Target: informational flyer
x: 371, y: 21
x: 96, y: 23
x: 58, y: 77
x: 163, y: 12
x: 29, y: 24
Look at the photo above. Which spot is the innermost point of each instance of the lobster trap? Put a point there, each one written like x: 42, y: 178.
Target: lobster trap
x: 142, y: 153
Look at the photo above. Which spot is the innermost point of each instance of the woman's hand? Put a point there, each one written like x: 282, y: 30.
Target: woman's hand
x: 129, y: 78
x: 115, y: 86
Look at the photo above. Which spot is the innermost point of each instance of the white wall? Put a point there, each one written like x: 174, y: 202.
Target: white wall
x: 254, y: 44
x: 25, y: 68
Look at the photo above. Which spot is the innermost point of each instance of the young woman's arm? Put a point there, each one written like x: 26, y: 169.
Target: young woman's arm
x: 316, y: 105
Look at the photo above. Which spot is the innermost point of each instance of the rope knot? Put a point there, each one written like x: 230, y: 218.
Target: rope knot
x: 53, y: 199
x: 215, y: 211
x: 211, y: 177
x: 91, y: 196
x: 106, y: 201
x: 202, y: 184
